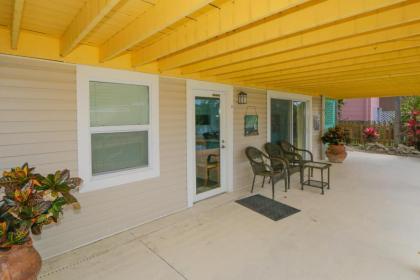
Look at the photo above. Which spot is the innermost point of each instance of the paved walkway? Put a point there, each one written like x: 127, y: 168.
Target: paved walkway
x: 366, y: 227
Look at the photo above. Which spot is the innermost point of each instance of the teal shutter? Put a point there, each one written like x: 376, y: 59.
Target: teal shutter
x: 330, y: 113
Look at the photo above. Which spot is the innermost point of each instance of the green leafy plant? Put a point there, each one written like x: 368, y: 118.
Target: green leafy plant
x: 334, y: 136
x: 31, y: 201
x: 408, y: 105
x: 412, y: 130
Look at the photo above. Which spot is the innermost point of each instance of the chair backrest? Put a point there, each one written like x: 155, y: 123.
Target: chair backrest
x: 288, y: 150
x: 273, y: 150
x: 256, y: 159
x: 286, y: 146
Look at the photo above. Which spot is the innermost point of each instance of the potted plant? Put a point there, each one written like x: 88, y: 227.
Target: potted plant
x: 335, y: 138
x: 370, y: 134
x: 29, y: 201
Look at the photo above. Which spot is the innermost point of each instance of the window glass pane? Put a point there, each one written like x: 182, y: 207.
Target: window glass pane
x: 299, y: 124
x: 280, y: 120
x: 119, y: 151
x: 113, y: 104
x: 207, y: 143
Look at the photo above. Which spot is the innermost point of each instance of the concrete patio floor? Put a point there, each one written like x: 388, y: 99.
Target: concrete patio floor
x: 366, y: 227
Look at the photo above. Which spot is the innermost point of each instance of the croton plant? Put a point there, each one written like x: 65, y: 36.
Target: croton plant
x: 370, y: 134
x: 334, y: 136
x: 413, y: 129
x: 31, y: 201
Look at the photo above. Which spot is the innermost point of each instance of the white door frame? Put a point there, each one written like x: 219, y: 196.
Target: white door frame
x: 294, y: 97
x: 227, y: 92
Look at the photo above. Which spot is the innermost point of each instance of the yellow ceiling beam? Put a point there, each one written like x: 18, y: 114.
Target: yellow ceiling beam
x: 362, y: 67
x: 366, y: 44
x: 327, y: 20
x: 329, y: 61
x: 16, y: 22
x: 37, y: 45
x: 322, y: 81
x: 85, y: 21
x: 361, y: 93
x: 156, y: 19
x: 385, y: 86
x: 372, y: 93
x: 407, y: 85
x: 364, y: 93
x: 373, y: 75
x: 227, y: 17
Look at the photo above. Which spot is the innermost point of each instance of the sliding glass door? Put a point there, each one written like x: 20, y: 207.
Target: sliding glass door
x: 299, y: 124
x: 288, y: 121
x: 281, y: 117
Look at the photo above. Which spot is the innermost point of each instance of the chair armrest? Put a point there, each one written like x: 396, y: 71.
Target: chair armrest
x: 311, y: 156
x: 268, y: 167
x: 295, y: 156
x: 280, y: 161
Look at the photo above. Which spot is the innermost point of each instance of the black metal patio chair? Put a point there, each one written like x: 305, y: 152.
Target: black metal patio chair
x: 275, y: 153
x: 261, y: 167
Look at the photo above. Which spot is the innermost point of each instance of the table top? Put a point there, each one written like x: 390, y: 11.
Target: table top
x: 317, y: 164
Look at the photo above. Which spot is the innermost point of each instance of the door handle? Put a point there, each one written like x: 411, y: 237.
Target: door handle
x: 223, y: 146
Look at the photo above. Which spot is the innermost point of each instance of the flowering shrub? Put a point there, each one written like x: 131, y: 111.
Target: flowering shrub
x: 413, y: 129
x: 370, y: 134
x: 31, y: 201
x: 334, y: 136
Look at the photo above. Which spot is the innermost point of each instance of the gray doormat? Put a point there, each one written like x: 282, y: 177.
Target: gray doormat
x: 268, y: 207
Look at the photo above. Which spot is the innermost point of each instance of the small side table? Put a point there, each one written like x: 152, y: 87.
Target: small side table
x: 315, y: 183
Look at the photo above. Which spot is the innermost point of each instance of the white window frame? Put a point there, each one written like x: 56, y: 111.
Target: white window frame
x: 85, y: 74
x: 291, y: 97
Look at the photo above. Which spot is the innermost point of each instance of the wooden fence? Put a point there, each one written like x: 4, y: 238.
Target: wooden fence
x: 354, y: 131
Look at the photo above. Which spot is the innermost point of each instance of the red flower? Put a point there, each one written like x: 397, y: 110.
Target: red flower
x: 370, y: 132
x: 411, y: 123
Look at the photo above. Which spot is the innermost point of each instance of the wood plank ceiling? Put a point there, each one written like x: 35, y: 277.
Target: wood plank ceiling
x: 337, y: 48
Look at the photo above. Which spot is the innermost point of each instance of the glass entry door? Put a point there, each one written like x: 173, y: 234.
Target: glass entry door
x: 288, y: 122
x: 209, y: 144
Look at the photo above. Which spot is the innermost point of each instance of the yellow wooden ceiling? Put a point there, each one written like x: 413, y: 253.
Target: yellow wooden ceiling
x: 338, y: 48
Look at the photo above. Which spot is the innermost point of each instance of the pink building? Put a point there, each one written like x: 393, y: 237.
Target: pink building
x: 363, y: 109
x: 369, y: 109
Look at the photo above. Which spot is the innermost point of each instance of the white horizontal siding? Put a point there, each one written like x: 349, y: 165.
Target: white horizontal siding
x: 112, y: 210
x: 38, y: 125
x: 242, y: 173
x: 32, y: 112
x: 36, y: 137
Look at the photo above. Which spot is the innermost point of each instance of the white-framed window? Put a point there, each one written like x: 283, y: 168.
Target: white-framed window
x: 118, y: 127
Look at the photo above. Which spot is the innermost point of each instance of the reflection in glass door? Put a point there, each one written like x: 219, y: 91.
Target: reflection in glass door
x: 299, y: 124
x: 281, y: 116
x: 288, y: 122
x: 207, y: 143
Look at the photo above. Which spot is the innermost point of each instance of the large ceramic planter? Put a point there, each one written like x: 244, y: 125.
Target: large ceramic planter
x: 21, y: 262
x: 336, y: 153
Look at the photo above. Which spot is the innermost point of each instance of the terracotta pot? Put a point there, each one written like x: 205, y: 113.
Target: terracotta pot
x: 336, y: 153
x: 21, y: 262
